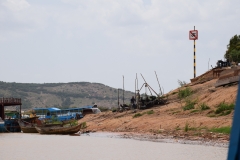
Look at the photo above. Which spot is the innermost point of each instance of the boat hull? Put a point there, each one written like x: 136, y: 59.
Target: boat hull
x: 29, y: 130
x: 59, y: 129
x: 27, y: 127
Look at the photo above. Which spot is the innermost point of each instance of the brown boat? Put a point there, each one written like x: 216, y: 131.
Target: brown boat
x: 28, y: 125
x: 68, y: 129
x: 27, y: 128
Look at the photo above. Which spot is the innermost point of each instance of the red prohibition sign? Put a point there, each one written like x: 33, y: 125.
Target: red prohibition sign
x: 193, y: 35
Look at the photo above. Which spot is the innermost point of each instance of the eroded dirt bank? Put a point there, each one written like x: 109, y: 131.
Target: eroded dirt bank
x: 171, y: 120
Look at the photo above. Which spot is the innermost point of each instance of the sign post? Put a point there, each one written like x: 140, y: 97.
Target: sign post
x: 193, y: 35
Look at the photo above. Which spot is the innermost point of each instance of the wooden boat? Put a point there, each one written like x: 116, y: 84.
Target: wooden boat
x: 27, y: 128
x: 59, y: 129
x: 28, y: 125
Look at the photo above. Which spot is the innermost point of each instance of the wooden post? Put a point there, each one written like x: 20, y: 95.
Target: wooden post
x: 136, y: 87
x: 2, y: 112
x: 118, y: 97
x: 20, y: 114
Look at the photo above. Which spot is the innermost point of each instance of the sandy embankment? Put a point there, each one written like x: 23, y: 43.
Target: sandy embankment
x: 169, y: 121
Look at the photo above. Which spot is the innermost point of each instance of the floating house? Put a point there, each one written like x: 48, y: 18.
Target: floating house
x: 10, y: 123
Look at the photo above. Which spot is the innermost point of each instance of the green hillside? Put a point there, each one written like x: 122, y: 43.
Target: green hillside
x: 63, y: 95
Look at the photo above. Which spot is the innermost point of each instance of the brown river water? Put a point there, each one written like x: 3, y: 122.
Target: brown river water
x: 20, y: 146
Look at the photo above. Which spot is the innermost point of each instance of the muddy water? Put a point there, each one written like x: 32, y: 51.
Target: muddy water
x: 102, y: 147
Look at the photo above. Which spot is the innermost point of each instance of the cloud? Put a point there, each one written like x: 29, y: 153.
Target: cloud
x: 18, y: 19
x: 16, y: 5
x: 147, y: 33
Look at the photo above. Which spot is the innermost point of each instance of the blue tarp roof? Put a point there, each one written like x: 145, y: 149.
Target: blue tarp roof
x: 50, y: 109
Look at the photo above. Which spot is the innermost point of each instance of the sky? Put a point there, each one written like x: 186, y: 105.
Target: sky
x: 52, y: 41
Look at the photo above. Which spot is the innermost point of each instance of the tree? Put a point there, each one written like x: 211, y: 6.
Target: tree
x: 233, y: 49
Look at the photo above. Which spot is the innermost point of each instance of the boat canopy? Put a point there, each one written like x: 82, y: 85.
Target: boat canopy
x: 49, y: 109
x: 62, y: 114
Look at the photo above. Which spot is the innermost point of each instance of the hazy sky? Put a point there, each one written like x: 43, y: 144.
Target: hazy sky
x: 51, y: 41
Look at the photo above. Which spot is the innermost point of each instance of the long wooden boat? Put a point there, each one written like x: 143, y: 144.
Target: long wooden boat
x: 59, y: 129
x: 27, y: 127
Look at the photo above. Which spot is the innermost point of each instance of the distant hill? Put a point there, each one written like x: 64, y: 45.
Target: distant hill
x: 63, y: 95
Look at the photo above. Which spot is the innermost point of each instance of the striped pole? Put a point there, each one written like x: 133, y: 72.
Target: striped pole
x: 123, y: 89
x: 194, y: 57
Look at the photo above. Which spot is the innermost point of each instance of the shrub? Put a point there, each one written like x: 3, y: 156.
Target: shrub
x: 74, y: 123
x: 182, y: 83
x: 84, y: 125
x: 137, y: 115
x: 195, y: 110
x: 224, y: 107
x: 203, y: 107
x: 174, y: 93
x: 150, y: 112
x: 176, y: 112
x: 189, y: 105
x: 225, y: 113
x: 184, y: 92
x: 225, y: 130
x: 177, y: 128
x: 186, y: 127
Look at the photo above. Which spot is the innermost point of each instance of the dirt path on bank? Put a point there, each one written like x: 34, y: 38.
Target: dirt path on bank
x: 171, y: 119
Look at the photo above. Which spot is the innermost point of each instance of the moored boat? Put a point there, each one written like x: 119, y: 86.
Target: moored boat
x: 27, y: 128
x: 67, y: 129
x: 28, y: 125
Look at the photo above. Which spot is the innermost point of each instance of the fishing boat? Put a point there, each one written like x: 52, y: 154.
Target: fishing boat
x: 67, y: 129
x: 28, y: 125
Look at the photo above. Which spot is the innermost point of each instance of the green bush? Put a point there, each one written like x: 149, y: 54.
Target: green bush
x: 103, y: 109
x: 222, y: 107
x: 150, y: 112
x: 174, y: 93
x: 203, y: 107
x: 189, y: 105
x: 225, y: 113
x: 182, y: 83
x: 137, y: 115
x: 225, y: 130
x: 184, y: 93
x: 186, y: 127
x: 74, y: 123
x: 84, y: 125
x: 195, y: 110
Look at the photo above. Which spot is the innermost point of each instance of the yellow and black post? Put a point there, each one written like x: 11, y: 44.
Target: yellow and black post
x: 194, y: 57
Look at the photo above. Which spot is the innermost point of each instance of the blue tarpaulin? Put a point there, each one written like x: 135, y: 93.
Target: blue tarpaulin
x: 234, y: 146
